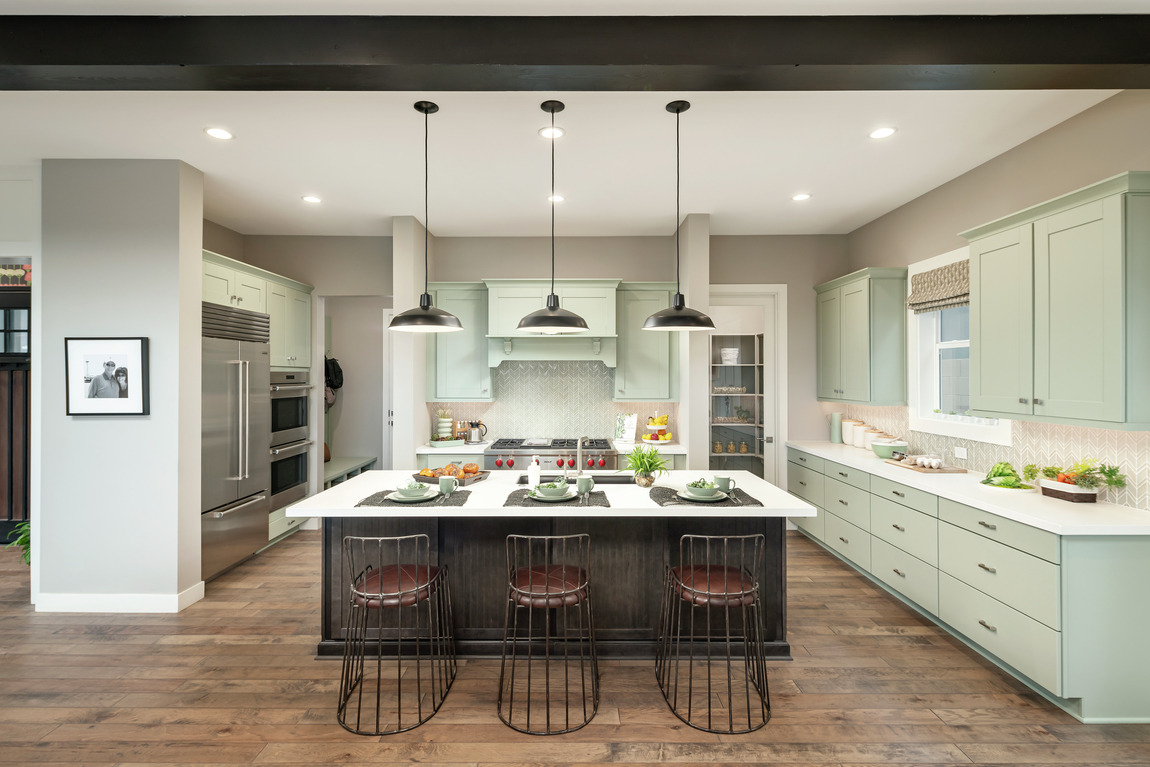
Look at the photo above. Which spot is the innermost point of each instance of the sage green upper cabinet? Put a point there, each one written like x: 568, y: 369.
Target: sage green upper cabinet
x: 861, y: 338
x: 511, y: 300
x: 219, y: 284
x: 647, y: 367
x: 251, y: 292
x: 289, y: 313
x: 594, y: 303
x: 457, y: 362
x: 1059, y: 310
x: 1001, y: 315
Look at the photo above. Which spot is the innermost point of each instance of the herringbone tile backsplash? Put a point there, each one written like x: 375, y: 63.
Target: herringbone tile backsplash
x: 553, y: 399
x: 1038, y: 443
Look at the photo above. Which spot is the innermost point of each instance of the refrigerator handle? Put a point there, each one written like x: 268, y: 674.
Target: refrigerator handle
x: 239, y: 421
x: 247, y: 419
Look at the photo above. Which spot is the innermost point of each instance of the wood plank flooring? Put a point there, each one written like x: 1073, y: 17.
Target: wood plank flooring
x: 233, y: 680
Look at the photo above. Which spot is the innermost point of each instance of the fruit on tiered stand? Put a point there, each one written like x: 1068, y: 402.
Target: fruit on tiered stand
x: 657, y: 426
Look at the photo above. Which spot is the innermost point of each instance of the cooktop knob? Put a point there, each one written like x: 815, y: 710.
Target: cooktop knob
x: 559, y: 462
x: 571, y: 462
x: 590, y: 461
x: 510, y: 462
x: 498, y: 461
x: 602, y: 463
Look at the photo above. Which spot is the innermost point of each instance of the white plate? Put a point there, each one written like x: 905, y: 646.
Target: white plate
x: 427, y: 496
x: 571, y: 493
x: 687, y: 496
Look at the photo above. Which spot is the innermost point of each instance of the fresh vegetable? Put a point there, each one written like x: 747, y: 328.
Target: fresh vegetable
x: 1002, y: 474
x: 1087, y: 473
x: 413, y: 485
x: 700, y: 483
x: 553, y: 485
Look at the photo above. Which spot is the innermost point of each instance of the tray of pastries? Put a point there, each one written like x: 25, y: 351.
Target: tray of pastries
x: 467, y: 473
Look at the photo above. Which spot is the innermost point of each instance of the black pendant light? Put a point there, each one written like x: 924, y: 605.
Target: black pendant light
x: 678, y: 316
x: 553, y: 319
x: 425, y: 319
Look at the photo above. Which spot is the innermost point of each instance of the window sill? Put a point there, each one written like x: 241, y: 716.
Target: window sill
x: 999, y: 434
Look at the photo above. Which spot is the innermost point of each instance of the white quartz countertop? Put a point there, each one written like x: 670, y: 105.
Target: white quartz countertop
x: 1034, y: 509
x: 476, y: 449
x: 666, y: 448
x: 487, y: 498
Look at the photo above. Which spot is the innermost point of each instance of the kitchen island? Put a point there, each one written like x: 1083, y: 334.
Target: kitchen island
x: 632, y: 542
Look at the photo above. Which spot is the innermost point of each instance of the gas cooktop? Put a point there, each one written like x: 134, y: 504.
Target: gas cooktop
x: 538, y: 445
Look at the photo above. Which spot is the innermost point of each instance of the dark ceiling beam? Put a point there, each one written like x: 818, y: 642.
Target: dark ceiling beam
x: 550, y: 53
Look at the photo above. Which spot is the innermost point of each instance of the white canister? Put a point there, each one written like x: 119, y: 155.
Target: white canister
x: 860, y: 435
x: 870, y: 435
x: 849, y: 426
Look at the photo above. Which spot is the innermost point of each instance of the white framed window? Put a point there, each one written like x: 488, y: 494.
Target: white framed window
x: 938, y: 349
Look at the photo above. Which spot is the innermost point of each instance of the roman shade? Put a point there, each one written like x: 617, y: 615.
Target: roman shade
x: 942, y: 288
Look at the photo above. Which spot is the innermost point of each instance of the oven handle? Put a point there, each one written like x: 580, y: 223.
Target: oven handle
x: 244, y: 505
x: 295, y: 448
x: 291, y: 387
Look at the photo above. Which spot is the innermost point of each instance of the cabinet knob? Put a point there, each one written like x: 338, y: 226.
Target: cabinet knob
x: 1039, y: 402
x: 1023, y: 401
x: 233, y: 298
x: 239, y: 298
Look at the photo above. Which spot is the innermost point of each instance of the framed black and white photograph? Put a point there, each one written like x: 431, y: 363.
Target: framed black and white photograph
x: 106, y: 376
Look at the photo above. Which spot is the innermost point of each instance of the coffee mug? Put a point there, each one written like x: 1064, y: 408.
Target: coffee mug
x: 584, y: 484
x: 726, y: 484
x: 448, y: 485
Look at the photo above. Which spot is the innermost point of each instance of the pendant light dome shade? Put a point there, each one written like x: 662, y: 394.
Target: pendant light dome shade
x: 552, y: 319
x: 425, y: 319
x: 678, y: 316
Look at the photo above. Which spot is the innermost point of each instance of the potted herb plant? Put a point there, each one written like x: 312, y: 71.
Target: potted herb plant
x: 647, y: 464
x: 1081, y: 483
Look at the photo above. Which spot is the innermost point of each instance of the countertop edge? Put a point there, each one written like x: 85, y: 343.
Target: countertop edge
x: 954, y: 487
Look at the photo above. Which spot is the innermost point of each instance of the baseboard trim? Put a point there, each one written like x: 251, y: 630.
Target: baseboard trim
x: 119, y: 603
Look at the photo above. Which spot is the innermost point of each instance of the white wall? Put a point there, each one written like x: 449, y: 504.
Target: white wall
x: 357, y: 341
x: 20, y: 243
x: 336, y: 266
x: 120, y: 511
x: 638, y: 259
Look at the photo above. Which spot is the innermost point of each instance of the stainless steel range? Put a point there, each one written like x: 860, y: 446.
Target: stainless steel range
x: 553, y: 454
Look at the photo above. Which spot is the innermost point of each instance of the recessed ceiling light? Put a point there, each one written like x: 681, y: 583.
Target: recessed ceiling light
x: 218, y: 133
x: 312, y: 199
x: 555, y: 198
x: 883, y: 132
x: 801, y: 197
x: 550, y: 132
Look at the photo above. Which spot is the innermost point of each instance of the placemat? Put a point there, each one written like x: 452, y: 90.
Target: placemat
x: 458, y: 498
x: 520, y: 498
x: 668, y: 496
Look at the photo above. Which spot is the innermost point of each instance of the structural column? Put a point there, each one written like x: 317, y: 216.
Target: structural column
x: 695, y: 347
x: 411, y: 423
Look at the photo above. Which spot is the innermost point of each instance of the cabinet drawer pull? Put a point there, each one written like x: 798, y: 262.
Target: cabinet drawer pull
x: 844, y: 540
x: 899, y: 572
x: 987, y: 525
x: 844, y: 503
x: 804, y: 460
x: 899, y: 528
x: 987, y: 569
x: 804, y: 484
x: 1039, y: 402
x: 842, y: 473
x: 1023, y: 401
x: 987, y: 625
x: 900, y: 495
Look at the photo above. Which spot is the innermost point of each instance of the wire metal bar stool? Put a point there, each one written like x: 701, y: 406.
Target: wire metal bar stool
x: 549, y: 632
x: 711, y: 624
x: 399, y: 611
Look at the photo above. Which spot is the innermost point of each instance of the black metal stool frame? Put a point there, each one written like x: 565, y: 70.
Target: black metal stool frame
x: 572, y: 554
x: 430, y: 595
x: 738, y: 559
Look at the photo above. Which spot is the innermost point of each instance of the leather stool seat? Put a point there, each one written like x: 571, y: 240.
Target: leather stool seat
x: 549, y: 586
x: 714, y: 585
x: 382, y: 587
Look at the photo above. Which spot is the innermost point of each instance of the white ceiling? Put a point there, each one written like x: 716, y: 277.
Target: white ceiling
x: 744, y: 154
x: 582, y: 8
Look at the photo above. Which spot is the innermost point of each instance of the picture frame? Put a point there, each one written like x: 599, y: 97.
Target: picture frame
x: 106, y: 376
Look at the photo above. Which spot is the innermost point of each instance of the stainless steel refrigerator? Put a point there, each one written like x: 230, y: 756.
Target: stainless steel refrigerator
x: 236, y: 437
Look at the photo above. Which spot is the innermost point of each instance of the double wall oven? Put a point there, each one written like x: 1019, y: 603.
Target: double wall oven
x: 290, y: 437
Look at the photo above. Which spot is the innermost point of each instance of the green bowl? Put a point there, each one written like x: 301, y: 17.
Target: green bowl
x: 886, y: 450
x: 551, y: 492
x: 703, y: 492
x: 410, y: 492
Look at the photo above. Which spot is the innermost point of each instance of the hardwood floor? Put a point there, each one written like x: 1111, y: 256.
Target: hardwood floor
x: 233, y: 680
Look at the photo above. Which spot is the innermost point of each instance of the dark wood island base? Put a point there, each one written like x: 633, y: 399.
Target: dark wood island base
x: 629, y: 556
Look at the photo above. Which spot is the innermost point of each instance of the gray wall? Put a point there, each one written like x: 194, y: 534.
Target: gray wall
x: 801, y: 262
x: 336, y: 266
x: 120, y: 507
x: 220, y: 239
x: 1105, y: 140
x: 357, y: 341
x: 628, y: 258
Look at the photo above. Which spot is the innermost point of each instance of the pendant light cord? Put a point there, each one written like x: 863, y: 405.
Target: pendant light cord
x: 552, y: 202
x: 677, y: 286
x: 426, y: 115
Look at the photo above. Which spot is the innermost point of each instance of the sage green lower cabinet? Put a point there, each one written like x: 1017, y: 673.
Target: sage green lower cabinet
x: 850, y: 541
x: 859, y: 479
x: 1028, y: 584
x: 907, y: 496
x: 1040, y: 543
x: 908, y: 575
x: 457, y: 365
x: 439, y: 460
x: 1025, y: 644
x: 812, y: 526
x: 812, y: 462
x: 805, y: 483
x: 912, y: 531
x: 848, y: 502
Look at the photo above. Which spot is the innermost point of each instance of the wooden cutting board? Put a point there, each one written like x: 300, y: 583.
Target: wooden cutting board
x: 921, y: 470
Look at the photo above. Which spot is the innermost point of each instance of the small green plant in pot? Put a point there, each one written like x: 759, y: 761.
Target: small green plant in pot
x: 23, y: 541
x: 647, y: 465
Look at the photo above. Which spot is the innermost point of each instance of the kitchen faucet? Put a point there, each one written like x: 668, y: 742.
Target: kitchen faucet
x: 579, y: 457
